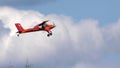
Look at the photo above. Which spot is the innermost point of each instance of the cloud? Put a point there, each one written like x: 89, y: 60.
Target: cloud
x: 73, y: 45
x: 3, y: 30
x: 23, y: 2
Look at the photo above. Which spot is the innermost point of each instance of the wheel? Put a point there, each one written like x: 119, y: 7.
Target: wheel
x: 18, y: 35
x: 48, y: 35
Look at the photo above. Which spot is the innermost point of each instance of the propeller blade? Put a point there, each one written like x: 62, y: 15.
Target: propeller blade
x: 54, y: 24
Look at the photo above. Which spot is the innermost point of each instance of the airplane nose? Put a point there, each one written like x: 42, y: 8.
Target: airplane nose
x: 54, y: 26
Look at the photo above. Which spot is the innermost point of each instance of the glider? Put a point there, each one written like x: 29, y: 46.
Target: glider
x: 39, y: 27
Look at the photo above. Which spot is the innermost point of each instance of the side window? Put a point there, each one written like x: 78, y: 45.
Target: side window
x: 40, y: 26
x: 45, y: 25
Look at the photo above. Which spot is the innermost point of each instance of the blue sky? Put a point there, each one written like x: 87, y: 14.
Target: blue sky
x: 87, y: 46
x: 106, y: 11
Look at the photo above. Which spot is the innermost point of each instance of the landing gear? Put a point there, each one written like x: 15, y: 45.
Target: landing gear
x: 49, y: 34
x: 18, y: 35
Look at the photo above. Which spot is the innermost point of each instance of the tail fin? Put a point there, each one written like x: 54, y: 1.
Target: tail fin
x: 19, y: 27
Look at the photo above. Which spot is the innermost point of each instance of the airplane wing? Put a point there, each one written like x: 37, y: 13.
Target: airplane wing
x: 43, y: 22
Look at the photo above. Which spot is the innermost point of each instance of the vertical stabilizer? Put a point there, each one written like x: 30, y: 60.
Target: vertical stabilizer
x: 19, y: 27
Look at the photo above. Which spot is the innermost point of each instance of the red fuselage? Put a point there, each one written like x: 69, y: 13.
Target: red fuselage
x: 35, y: 28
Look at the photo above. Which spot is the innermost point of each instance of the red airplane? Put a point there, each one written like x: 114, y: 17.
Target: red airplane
x: 39, y: 27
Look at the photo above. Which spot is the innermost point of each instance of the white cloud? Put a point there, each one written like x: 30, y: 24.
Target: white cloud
x: 73, y: 45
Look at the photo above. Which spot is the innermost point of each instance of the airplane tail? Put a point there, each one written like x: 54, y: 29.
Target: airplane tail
x: 19, y: 27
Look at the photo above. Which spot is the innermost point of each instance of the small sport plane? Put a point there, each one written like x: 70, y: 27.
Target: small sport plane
x: 39, y: 27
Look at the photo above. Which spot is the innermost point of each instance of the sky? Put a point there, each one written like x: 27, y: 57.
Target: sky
x: 105, y: 11
x: 87, y: 34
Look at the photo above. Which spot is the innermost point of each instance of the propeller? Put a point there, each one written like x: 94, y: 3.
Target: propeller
x: 54, y: 24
